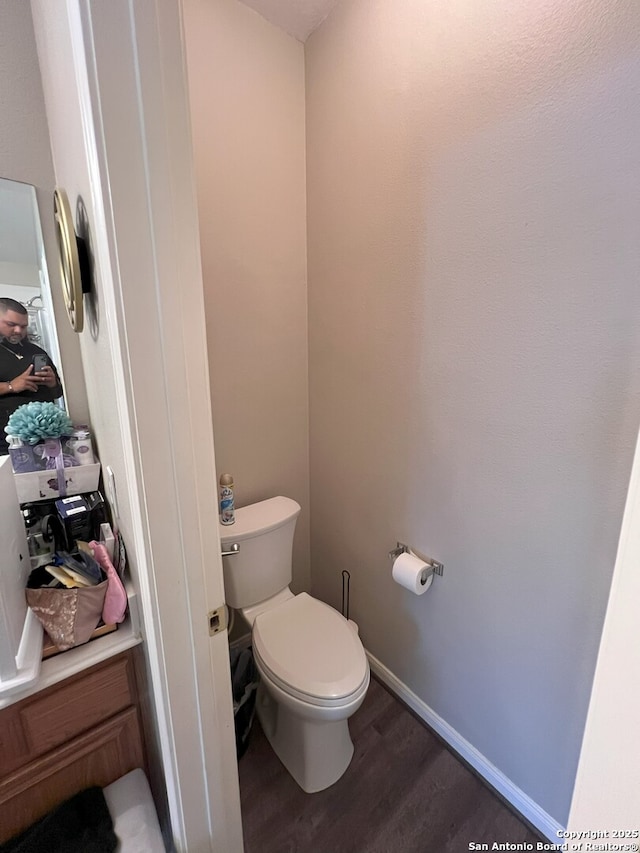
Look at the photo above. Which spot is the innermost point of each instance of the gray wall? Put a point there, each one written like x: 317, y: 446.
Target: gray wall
x: 473, y: 200
x: 246, y: 88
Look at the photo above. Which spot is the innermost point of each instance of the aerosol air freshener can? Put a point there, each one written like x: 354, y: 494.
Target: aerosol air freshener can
x: 227, y: 508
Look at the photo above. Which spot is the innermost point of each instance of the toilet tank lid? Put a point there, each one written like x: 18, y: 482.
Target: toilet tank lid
x: 259, y: 518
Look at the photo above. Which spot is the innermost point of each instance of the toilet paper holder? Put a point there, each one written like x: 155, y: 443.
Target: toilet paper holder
x: 436, y: 567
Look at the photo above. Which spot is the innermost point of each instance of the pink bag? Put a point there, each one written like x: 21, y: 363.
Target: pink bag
x: 115, y: 599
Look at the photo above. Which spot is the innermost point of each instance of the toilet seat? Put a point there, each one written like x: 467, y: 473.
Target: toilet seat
x: 311, y: 652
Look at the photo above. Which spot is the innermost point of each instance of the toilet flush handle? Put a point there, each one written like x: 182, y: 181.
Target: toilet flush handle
x: 231, y: 550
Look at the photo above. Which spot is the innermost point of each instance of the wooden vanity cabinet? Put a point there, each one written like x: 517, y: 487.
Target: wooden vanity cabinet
x: 83, y: 731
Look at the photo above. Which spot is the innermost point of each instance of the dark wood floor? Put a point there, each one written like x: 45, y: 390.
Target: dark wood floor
x: 404, y: 792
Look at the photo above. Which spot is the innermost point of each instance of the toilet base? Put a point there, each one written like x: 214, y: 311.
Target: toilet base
x: 315, y: 752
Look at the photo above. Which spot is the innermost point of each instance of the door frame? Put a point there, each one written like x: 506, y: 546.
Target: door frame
x: 131, y: 75
x: 606, y: 795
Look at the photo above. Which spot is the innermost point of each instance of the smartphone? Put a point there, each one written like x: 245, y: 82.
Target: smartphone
x: 39, y: 361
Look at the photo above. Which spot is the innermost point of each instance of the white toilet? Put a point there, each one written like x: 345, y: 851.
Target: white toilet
x: 313, y: 668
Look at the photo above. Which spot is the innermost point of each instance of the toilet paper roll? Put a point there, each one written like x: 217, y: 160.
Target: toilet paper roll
x: 412, y: 573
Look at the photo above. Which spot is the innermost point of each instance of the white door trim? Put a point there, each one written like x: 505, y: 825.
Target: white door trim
x: 606, y: 796
x: 131, y: 78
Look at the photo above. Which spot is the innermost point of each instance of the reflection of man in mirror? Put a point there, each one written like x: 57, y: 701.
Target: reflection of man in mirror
x: 23, y: 378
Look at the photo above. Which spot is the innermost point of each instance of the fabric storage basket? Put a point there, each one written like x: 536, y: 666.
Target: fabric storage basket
x: 69, y: 616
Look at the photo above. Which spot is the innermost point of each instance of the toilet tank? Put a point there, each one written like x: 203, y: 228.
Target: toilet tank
x: 262, y: 566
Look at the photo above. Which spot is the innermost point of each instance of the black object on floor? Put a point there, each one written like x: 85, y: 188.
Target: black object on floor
x: 82, y: 824
x: 244, y: 684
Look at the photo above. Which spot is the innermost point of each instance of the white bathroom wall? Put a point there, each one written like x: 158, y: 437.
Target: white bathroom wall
x: 25, y: 156
x: 246, y: 81
x: 22, y: 294
x: 473, y: 199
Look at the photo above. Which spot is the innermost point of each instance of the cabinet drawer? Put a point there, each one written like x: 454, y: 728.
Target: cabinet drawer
x: 13, y: 749
x: 58, y: 714
x: 98, y: 757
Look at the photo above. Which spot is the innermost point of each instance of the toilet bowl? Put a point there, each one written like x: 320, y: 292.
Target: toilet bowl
x: 314, y: 676
x: 314, y: 673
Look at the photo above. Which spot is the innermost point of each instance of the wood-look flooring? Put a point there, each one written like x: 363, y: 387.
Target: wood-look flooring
x: 404, y: 792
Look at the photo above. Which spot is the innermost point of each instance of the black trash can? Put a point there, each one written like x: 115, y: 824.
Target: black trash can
x: 244, y: 685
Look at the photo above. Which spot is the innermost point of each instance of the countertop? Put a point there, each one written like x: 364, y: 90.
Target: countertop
x: 65, y: 664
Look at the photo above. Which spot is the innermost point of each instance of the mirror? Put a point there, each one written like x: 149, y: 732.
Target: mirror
x: 23, y: 265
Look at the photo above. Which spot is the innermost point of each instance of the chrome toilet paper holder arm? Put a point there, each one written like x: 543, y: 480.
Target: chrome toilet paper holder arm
x: 436, y: 567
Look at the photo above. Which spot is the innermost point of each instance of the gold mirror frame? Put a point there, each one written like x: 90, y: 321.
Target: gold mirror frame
x: 69, y: 260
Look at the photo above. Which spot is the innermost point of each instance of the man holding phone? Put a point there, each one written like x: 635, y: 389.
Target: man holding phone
x: 26, y: 371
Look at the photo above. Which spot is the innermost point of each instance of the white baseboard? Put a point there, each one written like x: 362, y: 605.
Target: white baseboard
x: 523, y: 804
